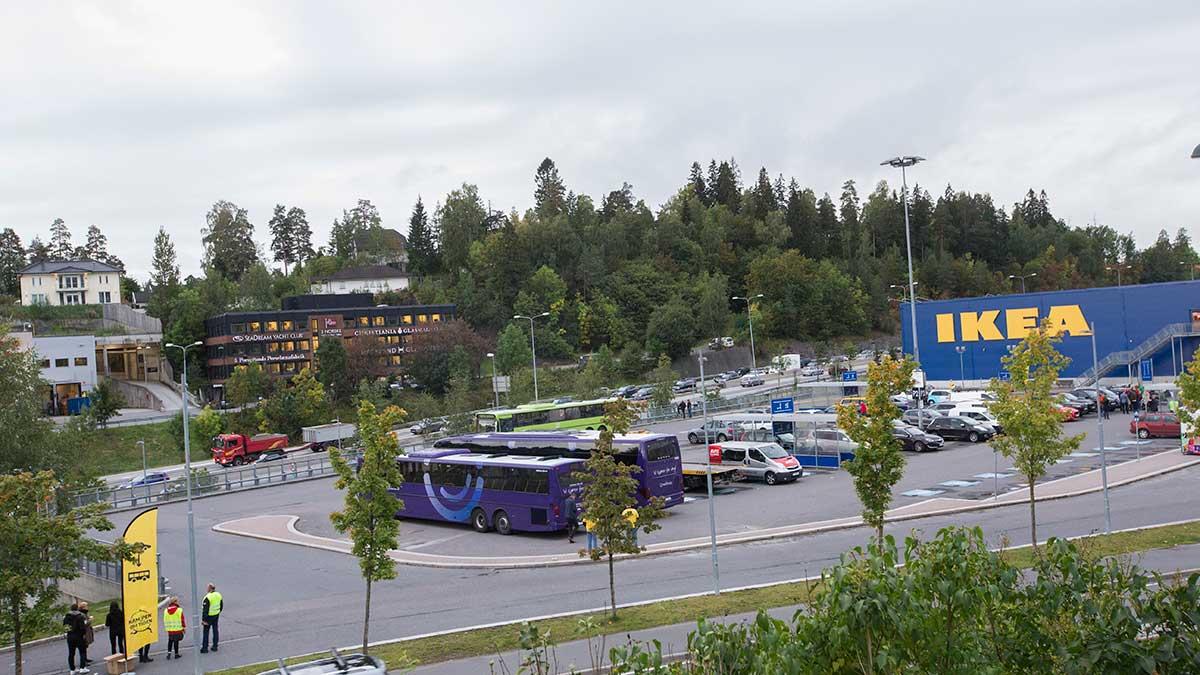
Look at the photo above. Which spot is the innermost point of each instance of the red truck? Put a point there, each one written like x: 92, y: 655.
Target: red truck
x: 237, y: 449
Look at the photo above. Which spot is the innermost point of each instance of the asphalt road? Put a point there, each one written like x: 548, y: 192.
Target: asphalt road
x: 283, y: 599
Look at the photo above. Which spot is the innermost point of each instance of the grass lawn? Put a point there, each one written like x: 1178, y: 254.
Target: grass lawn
x: 479, y: 642
x: 115, y: 450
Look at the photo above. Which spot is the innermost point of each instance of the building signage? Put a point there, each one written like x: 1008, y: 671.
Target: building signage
x: 271, y: 358
x: 271, y: 337
x: 1016, y: 324
x: 397, y: 330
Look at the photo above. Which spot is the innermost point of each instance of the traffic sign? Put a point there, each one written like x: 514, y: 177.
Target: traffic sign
x: 1147, y: 370
x: 780, y: 406
x: 850, y: 376
x: 501, y: 383
x: 1005, y: 376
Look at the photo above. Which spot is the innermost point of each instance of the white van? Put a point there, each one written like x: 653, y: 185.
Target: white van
x: 767, y: 461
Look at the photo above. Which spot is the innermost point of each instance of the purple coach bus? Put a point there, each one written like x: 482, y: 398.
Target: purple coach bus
x: 656, y: 455
x: 496, y: 491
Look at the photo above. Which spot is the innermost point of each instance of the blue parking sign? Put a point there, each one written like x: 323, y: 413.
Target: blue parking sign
x: 850, y: 376
x: 1147, y: 367
x: 780, y: 406
x: 1004, y: 376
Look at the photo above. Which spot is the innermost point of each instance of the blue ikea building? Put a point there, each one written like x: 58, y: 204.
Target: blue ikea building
x: 1145, y: 331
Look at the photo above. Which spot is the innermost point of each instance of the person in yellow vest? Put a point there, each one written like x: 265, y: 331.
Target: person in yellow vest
x: 631, y: 515
x: 210, y: 618
x: 175, y: 625
x: 590, y: 526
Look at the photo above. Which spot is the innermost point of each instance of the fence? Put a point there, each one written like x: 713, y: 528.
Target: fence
x: 205, y: 483
x: 806, y: 395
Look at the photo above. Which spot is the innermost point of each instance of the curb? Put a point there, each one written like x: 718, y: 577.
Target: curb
x: 432, y: 560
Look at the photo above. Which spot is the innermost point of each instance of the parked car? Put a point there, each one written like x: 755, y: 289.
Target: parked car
x: 915, y: 440
x: 1067, y: 413
x: 901, y: 401
x: 825, y: 440
x: 920, y: 418
x: 812, y: 371
x: 1112, y: 400
x: 718, y: 432
x: 428, y: 426
x: 149, y: 479
x: 1080, y: 404
x: 766, y: 461
x: 939, y: 395
x: 1165, y: 425
x: 626, y: 391
x: 642, y: 394
x: 981, y: 416
x: 686, y: 384
x: 731, y: 375
x: 742, y: 371
x: 752, y: 381
x: 959, y: 429
x: 726, y: 342
x: 270, y: 456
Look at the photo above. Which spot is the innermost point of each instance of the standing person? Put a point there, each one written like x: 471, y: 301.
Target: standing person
x: 1102, y: 402
x: 210, y: 617
x: 115, y: 621
x: 76, y: 631
x: 689, y: 408
x: 590, y: 526
x: 175, y: 625
x: 89, y: 634
x: 571, y: 513
x: 1123, y: 399
x: 631, y: 516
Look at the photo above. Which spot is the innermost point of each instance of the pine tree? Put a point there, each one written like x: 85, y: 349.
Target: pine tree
x: 39, y: 251
x: 549, y: 195
x: 282, y: 244
x: 827, y: 239
x: 12, y: 261
x: 96, y: 248
x: 302, y: 248
x: 698, y: 185
x: 60, y: 241
x: 851, y: 228
x: 764, y: 195
x: 164, y: 275
x: 728, y: 188
x: 422, y: 249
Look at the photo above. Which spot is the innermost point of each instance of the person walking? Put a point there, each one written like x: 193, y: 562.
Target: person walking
x: 115, y: 622
x: 1123, y: 399
x: 571, y: 513
x: 210, y: 617
x: 1102, y: 402
x: 76, y: 640
x: 175, y: 625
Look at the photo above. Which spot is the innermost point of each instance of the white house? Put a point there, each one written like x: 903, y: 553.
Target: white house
x: 68, y: 364
x: 70, y: 282
x: 367, y: 279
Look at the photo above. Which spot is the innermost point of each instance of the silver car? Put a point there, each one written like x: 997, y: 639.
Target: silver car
x: 336, y: 664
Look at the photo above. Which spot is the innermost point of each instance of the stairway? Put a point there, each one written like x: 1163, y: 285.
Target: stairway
x: 1148, y: 348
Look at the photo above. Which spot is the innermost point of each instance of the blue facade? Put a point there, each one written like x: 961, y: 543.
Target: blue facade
x: 1125, y: 317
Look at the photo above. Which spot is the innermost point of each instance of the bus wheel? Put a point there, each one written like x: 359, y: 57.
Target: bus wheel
x: 503, y: 524
x: 591, y: 429
x: 479, y: 520
x: 603, y: 428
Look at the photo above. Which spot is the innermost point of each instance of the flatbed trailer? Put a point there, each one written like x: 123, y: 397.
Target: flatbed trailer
x: 695, y: 475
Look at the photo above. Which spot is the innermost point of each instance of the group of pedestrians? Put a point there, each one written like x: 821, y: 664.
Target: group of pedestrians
x: 80, y: 633
x: 684, y: 409
x: 571, y: 513
x: 1135, y: 399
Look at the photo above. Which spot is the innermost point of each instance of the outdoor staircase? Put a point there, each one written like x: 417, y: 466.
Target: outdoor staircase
x: 1149, y: 347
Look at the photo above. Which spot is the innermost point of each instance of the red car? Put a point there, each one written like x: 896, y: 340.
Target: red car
x: 1155, y: 424
x: 1067, y: 413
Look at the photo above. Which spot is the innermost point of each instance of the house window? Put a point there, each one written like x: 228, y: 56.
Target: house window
x: 393, y: 320
x: 70, y: 281
x: 312, y: 325
x: 61, y: 363
x: 105, y: 297
x: 316, y: 342
x: 81, y: 360
x: 254, y: 326
x: 272, y: 347
x: 72, y: 299
x: 44, y: 363
x: 40, y: 299
x: 303, y: 344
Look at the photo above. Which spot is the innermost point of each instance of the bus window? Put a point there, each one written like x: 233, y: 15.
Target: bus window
x: 661, y: 449
x: 506, y: 424
x: 485, y: 422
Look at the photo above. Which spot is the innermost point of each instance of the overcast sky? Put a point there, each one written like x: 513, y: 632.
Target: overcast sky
x: 132, y: 115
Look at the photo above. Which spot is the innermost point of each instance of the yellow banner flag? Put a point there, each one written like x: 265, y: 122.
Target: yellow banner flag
x: 139, y: 583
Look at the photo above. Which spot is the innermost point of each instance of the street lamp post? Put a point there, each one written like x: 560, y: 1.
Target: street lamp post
x: 903, y: 163
x: 495, y: 389
x: 1118, y: 268
x: 142, y: 445
x: 533, y: 346
x: 1022, y: 277
x: 961, y: 371
x: 750, y: 318
x: 191, y: 521
x: 1192, y: 267
x: 1100, y: 434
x: 712, y: 512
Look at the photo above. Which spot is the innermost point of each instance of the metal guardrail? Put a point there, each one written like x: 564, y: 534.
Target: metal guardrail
x: 206, y: 482
x: 806, y: 395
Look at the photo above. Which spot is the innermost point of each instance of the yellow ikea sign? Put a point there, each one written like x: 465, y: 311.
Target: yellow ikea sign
x: 975, y: 326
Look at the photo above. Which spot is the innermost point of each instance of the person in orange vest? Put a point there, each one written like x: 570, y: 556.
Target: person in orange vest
x: 175, y: 625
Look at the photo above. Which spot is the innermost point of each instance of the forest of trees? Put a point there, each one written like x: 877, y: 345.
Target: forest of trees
x: 646, y: 281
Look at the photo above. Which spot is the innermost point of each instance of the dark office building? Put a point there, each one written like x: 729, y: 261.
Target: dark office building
x: 283, y: 341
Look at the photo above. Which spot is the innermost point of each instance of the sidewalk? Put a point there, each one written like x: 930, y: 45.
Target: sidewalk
x: 282, y: 528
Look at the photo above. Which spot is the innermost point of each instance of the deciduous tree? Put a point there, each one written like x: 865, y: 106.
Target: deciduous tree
x: 333, y: 368
x: 1027, y: 412
x: 229, y: 240
x: 369, y: 512
x: 662, y: 379
x: 293, y: 405
x: 609, y: 495
x: 513, y: 350
x: 104, y: 403
x: 877, y: 465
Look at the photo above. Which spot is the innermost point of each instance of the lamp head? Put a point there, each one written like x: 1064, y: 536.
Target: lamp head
x: 1196, y: 153
x: 903, y: 161
x: 490, y: 355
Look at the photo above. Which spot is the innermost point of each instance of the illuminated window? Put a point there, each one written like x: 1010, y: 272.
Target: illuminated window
x: 81, y: 360
x: 303, y: 344
x: 289, y: 346
x: 364, y: 321
x: 378, y: 321
x: 408, y: 319
x: 316, y: 342
x: 421, y: 318
x: 436, y: 318
x: 312, y: 324
x: 272, y: 367
x: 286, y: 325
x: 272, y: 347
x: 255, y: 326
x: 395, y: 360
x: 272, y: 326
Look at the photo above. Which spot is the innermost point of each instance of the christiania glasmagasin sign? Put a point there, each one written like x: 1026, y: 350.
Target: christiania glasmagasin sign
x: 398, y: 330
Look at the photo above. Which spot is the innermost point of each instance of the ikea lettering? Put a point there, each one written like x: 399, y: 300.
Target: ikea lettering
x: 1011, y: 324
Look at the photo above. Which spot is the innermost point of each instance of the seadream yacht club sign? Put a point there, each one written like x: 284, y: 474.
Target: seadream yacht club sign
x: 271, y: 337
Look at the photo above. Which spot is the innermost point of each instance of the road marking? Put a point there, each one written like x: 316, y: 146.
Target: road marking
x: 922, y: 493
x: 992, y: 475
x: 1088, y: 454
x: 1063, y: 461
x: 435, y: 541
x: 959, y: 483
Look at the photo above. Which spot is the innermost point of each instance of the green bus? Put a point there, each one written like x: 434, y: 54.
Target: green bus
x: 544, y: 416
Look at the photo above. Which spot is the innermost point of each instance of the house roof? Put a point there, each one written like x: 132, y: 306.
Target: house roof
x: 367, y: 272
x: 60, y: 266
